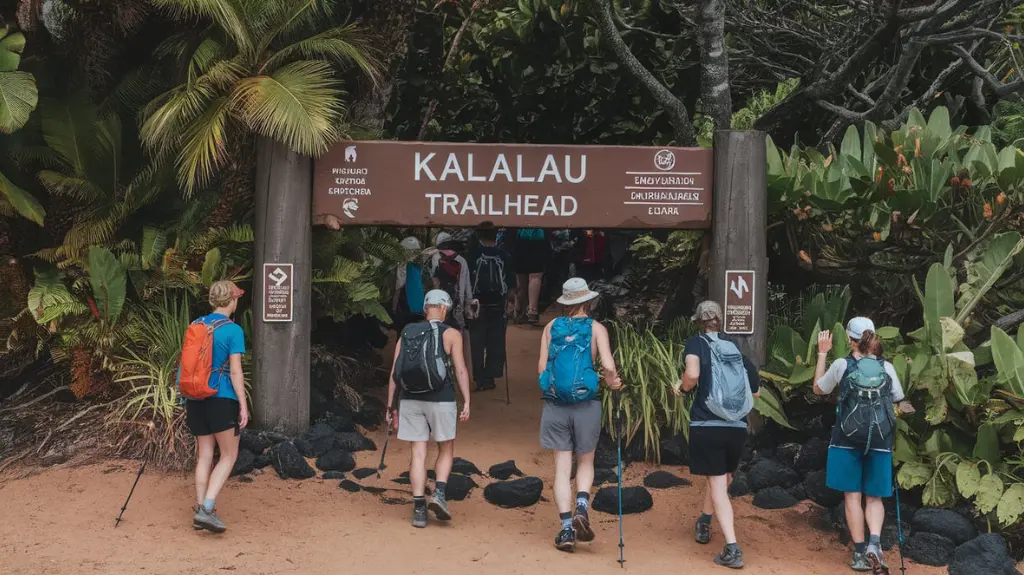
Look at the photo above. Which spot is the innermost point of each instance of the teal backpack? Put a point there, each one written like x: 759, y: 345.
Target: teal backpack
x: 531, y: 234
x: 865, y: 415
x: 570, y: 376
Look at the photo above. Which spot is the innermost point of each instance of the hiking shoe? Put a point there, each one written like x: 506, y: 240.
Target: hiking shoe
x: 874, y: 556
x: 860, y: 562
x: 702, y: 534
x: 419, y: 516
x: 581, y: 524
x: 731, y: 557
x: 485, y: 385
x: 208, y: 520
x: 566, y: 540
x: 195, y: 523
x: 533, y: 318
x: 439, y: 506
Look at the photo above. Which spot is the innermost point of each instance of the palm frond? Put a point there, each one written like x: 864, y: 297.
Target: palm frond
x: 208, y: 53
x: 73, y: 187
x: 344, y: 45
x: 21, y: 201
x: 164, y: 119
x: 298, y: 105
x: 229, y: 15
x: 203, y: 148
x: 68, y: 127
x: 342, y: 271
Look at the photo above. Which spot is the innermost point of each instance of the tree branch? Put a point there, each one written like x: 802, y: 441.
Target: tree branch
x: 672, y: 105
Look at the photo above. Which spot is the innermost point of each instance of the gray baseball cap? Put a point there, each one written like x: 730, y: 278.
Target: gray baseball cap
x: 707, y: 310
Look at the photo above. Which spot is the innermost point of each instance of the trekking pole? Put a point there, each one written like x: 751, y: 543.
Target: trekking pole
x: 618, y: 450
x: 138, y: 475
x: 387, y: 435
x: 899, y: 524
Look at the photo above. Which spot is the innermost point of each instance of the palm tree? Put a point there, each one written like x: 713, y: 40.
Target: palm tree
x: 261, y: 67
x: 18, y: 97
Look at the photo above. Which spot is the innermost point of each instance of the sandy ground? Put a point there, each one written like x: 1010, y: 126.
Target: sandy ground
x: 61, y: 520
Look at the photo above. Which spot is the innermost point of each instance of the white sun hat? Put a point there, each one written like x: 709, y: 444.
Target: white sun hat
x: 411, y: 243
x: 575, y: 291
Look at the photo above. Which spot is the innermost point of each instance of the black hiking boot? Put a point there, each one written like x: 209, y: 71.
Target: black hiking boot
x: 533, y: 318
x: 581, y: 524
x: 419, y: 517
x: 731, y: 556
x: 439, y: 505
x: 702, y: 533
x: 566, y: 540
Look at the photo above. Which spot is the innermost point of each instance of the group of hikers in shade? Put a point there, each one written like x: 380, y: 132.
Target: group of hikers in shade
x: 574, y: 356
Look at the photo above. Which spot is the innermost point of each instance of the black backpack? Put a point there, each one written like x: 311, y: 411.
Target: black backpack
x: 423, y: 366
x: 489, y: 276
x: 866, y: 418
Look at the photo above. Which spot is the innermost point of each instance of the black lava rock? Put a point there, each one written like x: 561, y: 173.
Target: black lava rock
x: 606, y: 456
x: 349, y: 485
x: 459, y: 486
x: 333, y: 475
x: 739, y: 486
x: 341, y: 423
x: 288, y: 462
x: 787, y: 454
x: 675, y: 450
x: 372, y: 489
x: 813, y: 456
x: 767, y: 473
x: 255, y: 441
x: 262, y: 461
x: 321, y: 444
x: 634, y: 500
x: 354, y: 441
x: 372, y: 412
x: 304, y: 448
x: 818, y: 492
x: 949, y: 524
x: 318, y: 404
x: 891, y: 534
x: 665, y: 480
x: 602, y: 476
x: 319, y: 430
x: 336, y: 460
x: 984, y: 555
x: 774, y: 497
x: 504, y: 470
x: 465, y: 467
x: 522, y: 492
x: 798, y: 492
x: 929, y: 549
x: 364, y: 472
x: 244, y: 462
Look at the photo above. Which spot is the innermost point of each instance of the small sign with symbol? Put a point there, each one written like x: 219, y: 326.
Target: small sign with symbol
x: 277, y: 292
x: 739, y: 302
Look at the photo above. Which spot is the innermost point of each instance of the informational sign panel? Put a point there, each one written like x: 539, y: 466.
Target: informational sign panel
x: 277, y: 292
x: 739, y: 302
x: 438, y: 184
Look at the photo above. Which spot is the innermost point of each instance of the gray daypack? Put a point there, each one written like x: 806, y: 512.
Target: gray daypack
x: 730, y: 397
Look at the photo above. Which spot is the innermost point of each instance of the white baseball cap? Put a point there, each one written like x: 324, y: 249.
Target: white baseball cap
x: 411, y: 243
x: 858, y: 325
x: 441, y: 238
x: 437, y: 297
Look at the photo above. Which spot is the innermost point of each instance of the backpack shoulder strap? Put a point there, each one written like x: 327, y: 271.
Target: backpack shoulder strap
x: 220, y: 323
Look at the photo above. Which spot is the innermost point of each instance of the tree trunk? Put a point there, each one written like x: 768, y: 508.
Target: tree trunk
x: 389, y: 22
x: 739, y: 227
x: 284, y: 234
x: 714, y: 60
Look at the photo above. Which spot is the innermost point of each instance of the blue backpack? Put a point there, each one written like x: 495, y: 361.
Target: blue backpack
x: 570, y: 376
x: 531, y: 234
x: 414, y: 287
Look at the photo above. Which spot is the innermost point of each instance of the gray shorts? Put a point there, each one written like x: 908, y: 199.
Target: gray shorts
x: 426, y: 420
x: 575, y: 427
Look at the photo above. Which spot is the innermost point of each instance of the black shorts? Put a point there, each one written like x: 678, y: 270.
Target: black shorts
x: 211, y: 415
x: 531, y: 256
x: 716, y: 451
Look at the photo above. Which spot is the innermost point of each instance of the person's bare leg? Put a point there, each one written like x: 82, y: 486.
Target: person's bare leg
x: 227, y: 441
x: 204, y: 465
x: 585, y: 472
x: 442, y: 468
x: 563, y: 481
x: 534, y: 292
x: 584, y: 481
x: 855, y: 516
x: 874, y: 513
x: 718, y: 486
x: 418, y: 468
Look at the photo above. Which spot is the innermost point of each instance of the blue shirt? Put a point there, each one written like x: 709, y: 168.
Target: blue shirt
x: 228, y: 340
x: 699, y: 412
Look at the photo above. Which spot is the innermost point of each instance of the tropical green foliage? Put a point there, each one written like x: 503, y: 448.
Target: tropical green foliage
x: 18, y: 97
x: 263, y: 67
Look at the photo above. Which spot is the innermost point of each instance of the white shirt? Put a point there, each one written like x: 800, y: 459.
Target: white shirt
x: 837, y: 370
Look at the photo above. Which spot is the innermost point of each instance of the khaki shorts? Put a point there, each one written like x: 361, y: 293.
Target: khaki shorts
x: 427, y: 420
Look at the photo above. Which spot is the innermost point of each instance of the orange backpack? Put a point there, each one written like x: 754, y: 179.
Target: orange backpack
x: 197, y: 360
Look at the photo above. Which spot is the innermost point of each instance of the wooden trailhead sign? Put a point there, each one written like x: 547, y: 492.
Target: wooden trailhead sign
x: 515, y: 185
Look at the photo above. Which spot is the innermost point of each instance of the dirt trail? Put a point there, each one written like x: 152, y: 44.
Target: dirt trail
x: 61, y: 520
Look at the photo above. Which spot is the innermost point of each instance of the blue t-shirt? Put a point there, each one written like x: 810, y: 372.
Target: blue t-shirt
x: 228, y: 340
x: 700, y: 414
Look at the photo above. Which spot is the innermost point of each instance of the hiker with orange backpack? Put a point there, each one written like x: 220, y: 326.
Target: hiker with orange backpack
x: 211, y: 381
